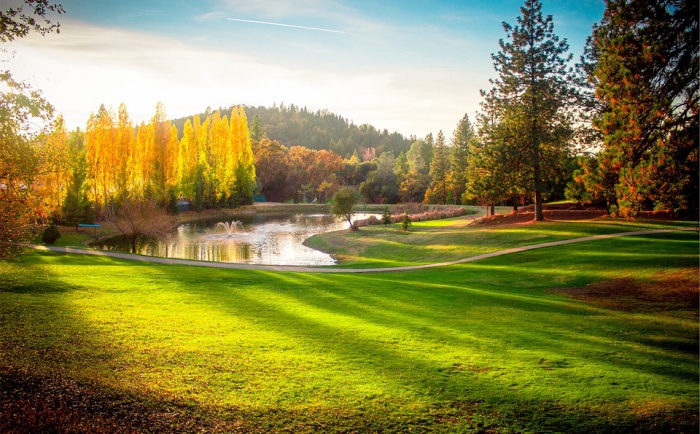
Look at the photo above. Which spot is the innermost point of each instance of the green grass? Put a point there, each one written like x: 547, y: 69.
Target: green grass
x: 481, y: 347
x: 452, y: 239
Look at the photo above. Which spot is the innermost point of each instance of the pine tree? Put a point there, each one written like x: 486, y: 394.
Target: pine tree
x: 532, y: 96
x: 76, y: 207
x: 257, y: 130
x: 645, y: 70
x: 461, y: 140
x: 439, y: 170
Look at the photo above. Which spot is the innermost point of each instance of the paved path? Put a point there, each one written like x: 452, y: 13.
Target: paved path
x: 300, y: 269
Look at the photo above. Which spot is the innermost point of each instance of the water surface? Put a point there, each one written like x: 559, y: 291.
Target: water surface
x: 270, y: 239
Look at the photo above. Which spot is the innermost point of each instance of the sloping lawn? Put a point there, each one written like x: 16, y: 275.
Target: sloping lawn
x: 481, y: 347
x: 452, y: 239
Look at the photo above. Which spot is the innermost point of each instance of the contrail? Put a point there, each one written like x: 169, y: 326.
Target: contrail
x: 285, y: 25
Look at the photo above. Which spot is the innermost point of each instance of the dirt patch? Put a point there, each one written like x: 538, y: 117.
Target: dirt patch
x: 549, y: 214
x: 666, y: 291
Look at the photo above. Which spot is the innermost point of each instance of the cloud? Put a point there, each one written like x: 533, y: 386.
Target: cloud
x: 210, y: 16
x: 284, y: 25
x: 311, y: 11
x: 88, y: 65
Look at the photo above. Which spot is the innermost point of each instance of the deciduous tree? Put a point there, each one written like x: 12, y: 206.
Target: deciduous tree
x: 344, y: 201
x: 24, y: 114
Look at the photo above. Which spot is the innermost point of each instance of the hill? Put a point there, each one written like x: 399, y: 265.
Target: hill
x: 292, y: 125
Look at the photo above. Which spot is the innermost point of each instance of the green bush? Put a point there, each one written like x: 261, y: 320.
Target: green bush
x: 386, y: 217
x: 51, y: 234
x: 405, y: 222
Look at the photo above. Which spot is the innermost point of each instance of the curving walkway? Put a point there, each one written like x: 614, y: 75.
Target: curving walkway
x: 300, y: 269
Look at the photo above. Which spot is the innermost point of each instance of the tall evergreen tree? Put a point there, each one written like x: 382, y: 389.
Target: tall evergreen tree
x: 257, y: 130
x: 533, y: 96
x: 646, y: 76
x: 462, y: 138
x: 439, y: 171
x: 76, y: 207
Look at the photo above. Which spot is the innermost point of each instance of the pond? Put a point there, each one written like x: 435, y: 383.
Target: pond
x: 269, y: 239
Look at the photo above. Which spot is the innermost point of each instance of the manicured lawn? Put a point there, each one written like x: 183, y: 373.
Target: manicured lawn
x: 452, y: 239
x: 480, y: 347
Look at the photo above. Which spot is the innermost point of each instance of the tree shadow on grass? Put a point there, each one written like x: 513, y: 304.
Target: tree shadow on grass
x: 380, y: 310
x: 402, y: 334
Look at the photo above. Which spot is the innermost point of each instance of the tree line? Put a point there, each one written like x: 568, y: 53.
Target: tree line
x: 210, y: 163
x: 618, y: 129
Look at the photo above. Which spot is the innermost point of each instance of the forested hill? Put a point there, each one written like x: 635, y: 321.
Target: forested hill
x: 291, y: 125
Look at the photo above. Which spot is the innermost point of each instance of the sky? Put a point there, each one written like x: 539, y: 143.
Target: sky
x: 410, y: 66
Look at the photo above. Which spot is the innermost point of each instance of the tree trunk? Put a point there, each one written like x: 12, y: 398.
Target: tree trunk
x: 133, y: 244
x: 539, y: 216
x: 493, y: 209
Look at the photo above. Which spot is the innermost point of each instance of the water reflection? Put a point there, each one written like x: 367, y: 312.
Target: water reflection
x: 271, y: 239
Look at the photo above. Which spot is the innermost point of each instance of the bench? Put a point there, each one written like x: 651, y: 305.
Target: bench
x: 88, y: 225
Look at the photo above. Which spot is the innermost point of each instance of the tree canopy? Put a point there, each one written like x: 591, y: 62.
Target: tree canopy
x: 643, y: 65
x: 528, y: 108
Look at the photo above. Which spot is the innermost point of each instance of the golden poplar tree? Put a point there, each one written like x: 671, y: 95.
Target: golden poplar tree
x: 142, y: 161
x: 123, y: 152
x: 203, y: 181
x: 244, y: 163
x: 187, y: 161
x: 49, y: 187
x: 100, y: 138
x: 172, y: 160
x: 221, y: 157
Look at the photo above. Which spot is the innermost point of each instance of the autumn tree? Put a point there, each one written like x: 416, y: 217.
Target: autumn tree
x: 534, y: 97
x: 100, y: 137
x: 49, y: 187
x: 272, y: 170
x: 646, y: 76
x: 123, y: 153
x: 24, y: 114
x: 244, y: 165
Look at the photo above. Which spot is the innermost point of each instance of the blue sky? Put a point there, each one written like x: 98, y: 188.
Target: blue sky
x: 409, y: 66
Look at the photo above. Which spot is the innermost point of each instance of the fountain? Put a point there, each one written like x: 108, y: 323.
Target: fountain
x: 230, y: 228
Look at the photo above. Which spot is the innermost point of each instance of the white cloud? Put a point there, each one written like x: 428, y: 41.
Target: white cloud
x: 88, y: 65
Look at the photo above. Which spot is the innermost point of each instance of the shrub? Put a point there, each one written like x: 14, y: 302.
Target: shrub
x: 386, y: 217
x: 51, y: 234
x: 405, y: 222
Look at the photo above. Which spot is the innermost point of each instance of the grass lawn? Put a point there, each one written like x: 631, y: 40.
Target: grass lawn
x: 482, y: 347
x: 452, y: 239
